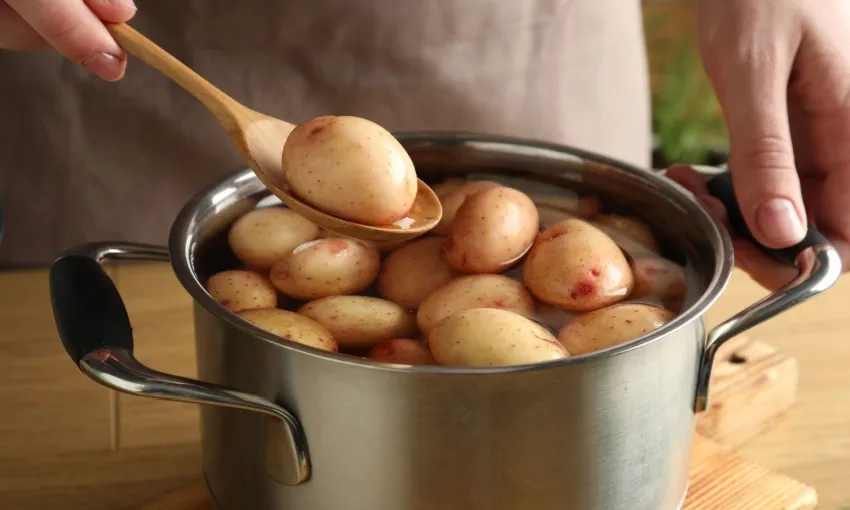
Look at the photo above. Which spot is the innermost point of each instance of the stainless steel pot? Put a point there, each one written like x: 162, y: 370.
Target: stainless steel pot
x: 288, y: 427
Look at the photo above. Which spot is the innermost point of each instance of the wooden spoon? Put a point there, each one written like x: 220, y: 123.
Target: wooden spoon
x: 260, y: 139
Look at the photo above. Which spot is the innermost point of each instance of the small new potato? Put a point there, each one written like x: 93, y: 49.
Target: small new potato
x: 361, y: 321
x: 239, y: 290
x: 474, y: 291
x: 612, y: 326
x: 405, y: 351
x: 291, y: 326
x: 660, y: 278
x: 576, y: 266
x: 383, y: 247
x: 452, y: 200
x: 414, y: 271
x: 632, y: 234
x: 351, y: 168
x: 443, y: 188
x: 491, y: 231
x: 487, y: 337
x: 263, y: 236
x: 326, y: 267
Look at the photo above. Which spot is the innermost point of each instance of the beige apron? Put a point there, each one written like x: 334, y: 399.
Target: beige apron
x: 83, y: 160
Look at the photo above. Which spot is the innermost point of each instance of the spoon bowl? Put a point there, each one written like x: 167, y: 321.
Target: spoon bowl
x: 260, y: 139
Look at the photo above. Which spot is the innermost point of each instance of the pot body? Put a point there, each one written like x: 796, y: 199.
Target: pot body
x: 601, y: 432
x: 610, y: 434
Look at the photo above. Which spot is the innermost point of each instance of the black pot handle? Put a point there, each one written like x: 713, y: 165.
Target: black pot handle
x: 817, y: 261
x: 720, y: 187
x: 95, y: 329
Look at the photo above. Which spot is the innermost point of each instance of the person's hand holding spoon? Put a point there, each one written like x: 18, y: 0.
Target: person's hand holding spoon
x: 345, y: 174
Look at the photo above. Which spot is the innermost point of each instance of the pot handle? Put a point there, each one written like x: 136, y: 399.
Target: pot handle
x: 95, y: 329
x: 816, y: 259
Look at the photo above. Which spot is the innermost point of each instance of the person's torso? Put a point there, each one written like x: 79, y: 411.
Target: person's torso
x: 84, y: 160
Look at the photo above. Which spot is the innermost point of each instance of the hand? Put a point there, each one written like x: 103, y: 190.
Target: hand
x: 72, y: 27
x: 781, y: 72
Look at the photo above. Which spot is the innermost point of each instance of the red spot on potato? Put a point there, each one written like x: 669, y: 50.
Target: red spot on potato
x: 595, y: 272
x: 337, y: 246
x: 583, y: 288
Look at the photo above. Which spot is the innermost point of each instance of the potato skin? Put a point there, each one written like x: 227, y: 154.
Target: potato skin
x: 351, y: 168
x: 239, y: 289
x: 384, y: 247
x: 412, y: 272
x: 487, y: 337
x: 612, y: 326
x: 292, y: 326
x: 263, y: 236
x: 326, y: 267
x: 443, y: 188
x: 360, y: 321
x: 404, y: 351
x: 632, y: 234
x: 474, y: 291
x: 453, y: 199
x: 576, y: 266
x: 660, y: 278
x: 491, y: 231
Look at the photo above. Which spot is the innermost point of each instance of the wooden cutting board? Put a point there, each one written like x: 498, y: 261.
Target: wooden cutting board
x: 720, y: 480
x: 752, y: 386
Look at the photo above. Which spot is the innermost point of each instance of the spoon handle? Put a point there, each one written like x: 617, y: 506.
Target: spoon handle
x: 225, y: 108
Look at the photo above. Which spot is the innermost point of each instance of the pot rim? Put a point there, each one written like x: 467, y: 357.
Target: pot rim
x: 180, y: 247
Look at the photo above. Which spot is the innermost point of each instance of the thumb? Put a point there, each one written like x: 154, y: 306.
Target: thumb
x: 767, y: 186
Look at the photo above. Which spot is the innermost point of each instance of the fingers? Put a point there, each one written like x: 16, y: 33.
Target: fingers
x: 113, y: 11
x: 761, y: 268
x: 764, y: 270
x: 76, y: 32
x: 749, y: 67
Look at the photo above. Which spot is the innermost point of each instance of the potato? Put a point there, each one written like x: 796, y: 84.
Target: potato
x: 657, y: 277
x: 241, y: 290
x: 264, y: 236
x: 576, y: 266
x: 486, y: 337
x: 632, y: 234
x: 291, y: 326
x: 414, y: 271
x: 405, y: 351
x: 351, y: 168
x: 491, y: 231
x: 569, y: 204
x: 326, y: 267
x: 474, y: 291
x: 612, y: 326
x: 383, y: 247
x: 441, y: 189
x: 455, y: 198
x: 361, y: 321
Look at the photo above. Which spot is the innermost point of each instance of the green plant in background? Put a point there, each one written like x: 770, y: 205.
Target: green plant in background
x: 686, y: 118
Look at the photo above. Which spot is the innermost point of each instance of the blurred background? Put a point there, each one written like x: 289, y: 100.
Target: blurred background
x: 687, y: 123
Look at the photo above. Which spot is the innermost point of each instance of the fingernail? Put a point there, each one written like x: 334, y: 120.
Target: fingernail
x: 779, y: 222
x: 109, y: 67
x: 123, y: 4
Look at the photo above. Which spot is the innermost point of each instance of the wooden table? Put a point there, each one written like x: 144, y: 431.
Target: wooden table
x: 60, y: 449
